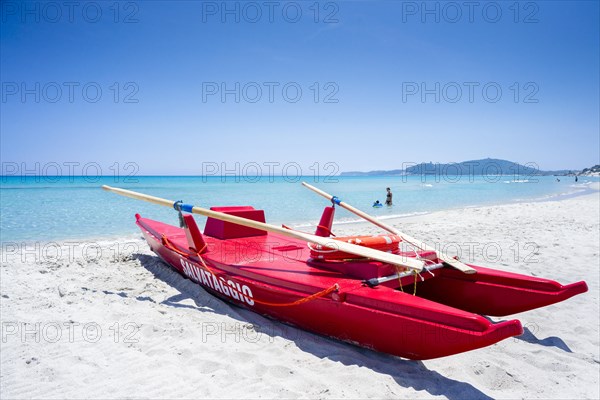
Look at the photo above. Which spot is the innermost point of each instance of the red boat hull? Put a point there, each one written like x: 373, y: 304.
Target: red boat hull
x: 262, y: 272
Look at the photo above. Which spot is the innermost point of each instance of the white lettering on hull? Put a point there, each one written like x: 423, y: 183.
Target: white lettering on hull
x: 229, y: 288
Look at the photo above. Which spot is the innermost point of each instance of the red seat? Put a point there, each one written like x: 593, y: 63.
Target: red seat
x: 227, y: 230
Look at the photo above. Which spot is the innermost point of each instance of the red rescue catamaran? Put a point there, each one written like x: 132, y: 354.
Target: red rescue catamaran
x: 417, y: 304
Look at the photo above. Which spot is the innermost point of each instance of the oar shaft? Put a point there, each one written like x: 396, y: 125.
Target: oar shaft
x: 406, y: 262
x: 409, y: 239
x: 417, y: 243
x: 351, y: 209
x: 139, y: 196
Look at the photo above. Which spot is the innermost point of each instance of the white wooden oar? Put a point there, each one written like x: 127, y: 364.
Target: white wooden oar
x: 415, y: 242
x: 361, y: 251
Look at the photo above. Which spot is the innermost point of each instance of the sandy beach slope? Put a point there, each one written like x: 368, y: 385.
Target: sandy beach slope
x: 109, y: 320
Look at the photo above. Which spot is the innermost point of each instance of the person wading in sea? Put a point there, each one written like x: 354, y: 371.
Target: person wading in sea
x: 388, y: 198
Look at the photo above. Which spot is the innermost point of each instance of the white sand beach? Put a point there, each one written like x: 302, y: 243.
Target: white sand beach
x: 110, y: 320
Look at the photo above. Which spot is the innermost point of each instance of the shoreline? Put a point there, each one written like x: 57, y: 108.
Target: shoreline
x: 592, y: 187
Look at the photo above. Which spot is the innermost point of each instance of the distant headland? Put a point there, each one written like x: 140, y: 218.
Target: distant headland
x: 487, y: 166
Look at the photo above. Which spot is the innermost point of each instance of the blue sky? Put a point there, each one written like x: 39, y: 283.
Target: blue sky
x: 382, y: 83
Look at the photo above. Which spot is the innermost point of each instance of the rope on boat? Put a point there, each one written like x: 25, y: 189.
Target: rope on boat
x: 335, y: 287
x: 415, y: 273
x: 331, y: 251
x: 326, y: 229
x: 302, y: 300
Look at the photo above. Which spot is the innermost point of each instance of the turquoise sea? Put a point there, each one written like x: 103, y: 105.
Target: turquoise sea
x: 62, y: 208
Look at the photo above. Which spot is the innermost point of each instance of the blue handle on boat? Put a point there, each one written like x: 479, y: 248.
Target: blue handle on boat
x: 179, y: 206
x: 187, y: 207
x: 336, y: 200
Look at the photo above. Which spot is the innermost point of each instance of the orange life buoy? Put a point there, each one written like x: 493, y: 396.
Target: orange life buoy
x: 387, y: 243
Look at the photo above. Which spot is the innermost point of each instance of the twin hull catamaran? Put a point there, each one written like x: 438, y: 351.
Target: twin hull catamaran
x: 417, y: 304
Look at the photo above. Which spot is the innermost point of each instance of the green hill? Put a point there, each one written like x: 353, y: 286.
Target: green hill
x: 488, y: 166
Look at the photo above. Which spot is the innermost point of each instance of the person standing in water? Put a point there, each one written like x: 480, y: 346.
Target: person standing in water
x: 388, y: 197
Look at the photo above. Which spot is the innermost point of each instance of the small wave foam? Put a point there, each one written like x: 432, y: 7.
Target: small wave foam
x: 405, y: 215
x: 558, y: 196
x: 347, y: 221
x: 585, y: 184
x: 518, y: 181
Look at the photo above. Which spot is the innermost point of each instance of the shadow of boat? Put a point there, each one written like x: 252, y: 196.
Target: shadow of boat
x: 551, y: 341
x: 406, y: 373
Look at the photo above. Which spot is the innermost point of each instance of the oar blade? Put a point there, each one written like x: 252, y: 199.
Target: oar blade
x: 458, y: 265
